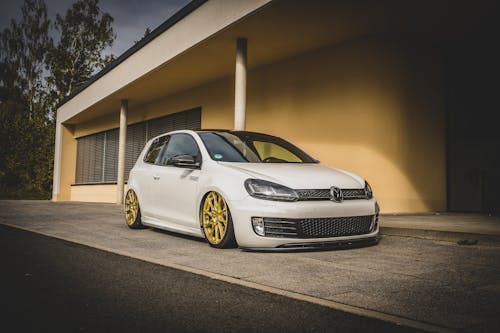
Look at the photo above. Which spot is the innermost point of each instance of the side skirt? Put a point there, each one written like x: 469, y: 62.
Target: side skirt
x: 172, y: 227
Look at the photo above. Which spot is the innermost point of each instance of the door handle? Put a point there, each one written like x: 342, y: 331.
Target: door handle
x: 156, y: 177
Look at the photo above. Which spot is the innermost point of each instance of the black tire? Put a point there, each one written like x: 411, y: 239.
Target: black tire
x: 212, y: 222
x: 132, y: 211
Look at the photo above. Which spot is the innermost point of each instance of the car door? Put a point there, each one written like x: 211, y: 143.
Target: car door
x: 145, y: 176
x: 175, y: 188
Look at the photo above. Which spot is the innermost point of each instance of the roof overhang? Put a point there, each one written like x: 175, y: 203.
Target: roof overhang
x: 201, y: 46
x: 208, y: 19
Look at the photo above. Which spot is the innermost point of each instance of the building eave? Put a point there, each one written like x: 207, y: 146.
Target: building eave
x: 193, y: 24
x: 179, y: 15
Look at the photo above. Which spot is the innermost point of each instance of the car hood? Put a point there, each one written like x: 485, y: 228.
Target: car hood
x: 299, y: 176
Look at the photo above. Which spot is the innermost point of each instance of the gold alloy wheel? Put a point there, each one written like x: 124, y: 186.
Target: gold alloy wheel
x: 215, y: 218
x: 131, y: 207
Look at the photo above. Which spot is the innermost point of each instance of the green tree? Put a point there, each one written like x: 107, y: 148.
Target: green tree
x: 25, y: 123
x: 85, y: 32
x: 35, y: 76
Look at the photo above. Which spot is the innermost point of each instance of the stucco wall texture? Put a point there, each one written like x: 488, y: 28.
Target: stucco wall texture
x: 372, y: 106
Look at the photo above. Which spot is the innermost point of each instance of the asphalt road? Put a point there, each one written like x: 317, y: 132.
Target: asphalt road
x: 49, y: 284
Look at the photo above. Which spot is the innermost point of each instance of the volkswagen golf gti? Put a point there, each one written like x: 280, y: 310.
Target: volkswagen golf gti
x: 247, y: 189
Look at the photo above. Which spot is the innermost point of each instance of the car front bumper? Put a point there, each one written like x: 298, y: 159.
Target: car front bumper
x: 243, y: 210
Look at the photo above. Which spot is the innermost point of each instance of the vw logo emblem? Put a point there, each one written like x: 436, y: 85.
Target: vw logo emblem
x: 336, y: 194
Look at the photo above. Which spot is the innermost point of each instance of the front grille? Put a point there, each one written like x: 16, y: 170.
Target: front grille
x: 318, y: 227
x: 354, y: 193
x: 324, y: 194
x: 313, y: 194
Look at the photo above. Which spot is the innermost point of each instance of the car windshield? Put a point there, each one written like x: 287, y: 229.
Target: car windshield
x: 252, y: 148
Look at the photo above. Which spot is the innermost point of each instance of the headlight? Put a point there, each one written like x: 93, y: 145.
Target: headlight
x: 368, y: 190
x: 263, y: 189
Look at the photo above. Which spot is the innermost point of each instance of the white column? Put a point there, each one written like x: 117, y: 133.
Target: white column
x: 56, y: 179
x: 240, y: 85
x: 120, y: 183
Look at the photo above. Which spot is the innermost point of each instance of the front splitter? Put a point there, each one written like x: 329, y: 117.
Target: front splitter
x: 317, y: 246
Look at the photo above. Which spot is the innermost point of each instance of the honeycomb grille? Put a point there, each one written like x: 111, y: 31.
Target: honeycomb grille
x: 335, y: 227
x: 350, y: 194
x: 314, y: 194
x: 318, y: 227
x: 324, y: 194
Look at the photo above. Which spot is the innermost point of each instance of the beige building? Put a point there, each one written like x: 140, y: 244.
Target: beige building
x: 400, y: 92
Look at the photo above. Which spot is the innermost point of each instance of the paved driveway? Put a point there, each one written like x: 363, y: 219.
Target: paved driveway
x: 427, y: 281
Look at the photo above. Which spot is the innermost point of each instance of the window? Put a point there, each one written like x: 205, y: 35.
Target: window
x: 269, y: 151
x: 252, y: 147
x: 137, y: 137
x: 90, y: 151
x: 223, y: 146
x: 180, y: 144
x: 110, y: 155
x: 155, y: 149
x: 97, y: 154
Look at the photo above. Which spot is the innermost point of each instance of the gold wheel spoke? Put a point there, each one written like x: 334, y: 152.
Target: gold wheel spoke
x: 221, y: 230
x: 216, y: 236
x: 131, y: 207
x: 214, y: 217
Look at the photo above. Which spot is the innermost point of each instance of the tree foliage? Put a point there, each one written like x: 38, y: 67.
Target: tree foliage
x: 36, y: 73
x: 25, y: 127
x: 85, y: 33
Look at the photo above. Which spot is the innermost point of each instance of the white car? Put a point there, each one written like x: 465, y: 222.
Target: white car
x: 247, y: 189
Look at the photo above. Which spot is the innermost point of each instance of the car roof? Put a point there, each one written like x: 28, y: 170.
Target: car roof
x: 231, y: 131
x: 210, y: 131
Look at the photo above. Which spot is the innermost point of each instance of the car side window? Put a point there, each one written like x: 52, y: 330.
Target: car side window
x: 155, y: 149
x: 180, y: 144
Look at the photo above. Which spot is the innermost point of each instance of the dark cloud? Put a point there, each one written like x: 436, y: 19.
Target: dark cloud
x: 131, y: 18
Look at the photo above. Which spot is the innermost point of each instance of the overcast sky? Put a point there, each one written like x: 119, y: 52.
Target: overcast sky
x: 131, y: 17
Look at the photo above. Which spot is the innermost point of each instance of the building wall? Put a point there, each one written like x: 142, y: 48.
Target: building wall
x: 94, y: 193
x: 374, y: 107
x: 369, y: 106
x: 68, y: 163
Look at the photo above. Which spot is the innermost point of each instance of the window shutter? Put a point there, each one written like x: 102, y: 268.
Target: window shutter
x: 111, y: 156
x: 81, y: 148
x: 190, y: 119
x: 89, y: 159
x: 136, y: 139
x: 97, y: 158
x: 97, y: 154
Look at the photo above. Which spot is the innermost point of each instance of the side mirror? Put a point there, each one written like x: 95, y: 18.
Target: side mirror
x: 184, y: 161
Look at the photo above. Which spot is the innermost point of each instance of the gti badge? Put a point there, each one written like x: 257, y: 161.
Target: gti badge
x: 336, y: 194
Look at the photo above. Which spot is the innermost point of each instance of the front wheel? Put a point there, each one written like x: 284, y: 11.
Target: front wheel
x: 132, y: 210
x: 216, y: 222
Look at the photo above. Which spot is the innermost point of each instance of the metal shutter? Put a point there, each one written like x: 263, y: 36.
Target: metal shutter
x: 193, y: 119
x: 190, y: 119
x: 97, y: 154
x: 89, y: 159
x: 80, y: 159
x: 136, y: 139
x: 111, y: 156
x: 159, y: 126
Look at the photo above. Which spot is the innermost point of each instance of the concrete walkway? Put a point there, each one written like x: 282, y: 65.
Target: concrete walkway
x: 455, y: 227
x: 427, y: 284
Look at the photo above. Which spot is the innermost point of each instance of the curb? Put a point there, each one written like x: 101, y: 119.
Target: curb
x: 462, y: 238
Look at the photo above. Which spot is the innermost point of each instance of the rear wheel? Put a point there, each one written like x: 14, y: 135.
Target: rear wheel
x: 216, y: 221
x: 132, y: 210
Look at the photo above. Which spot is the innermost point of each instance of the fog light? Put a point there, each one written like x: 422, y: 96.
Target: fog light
x: 258, y: 225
